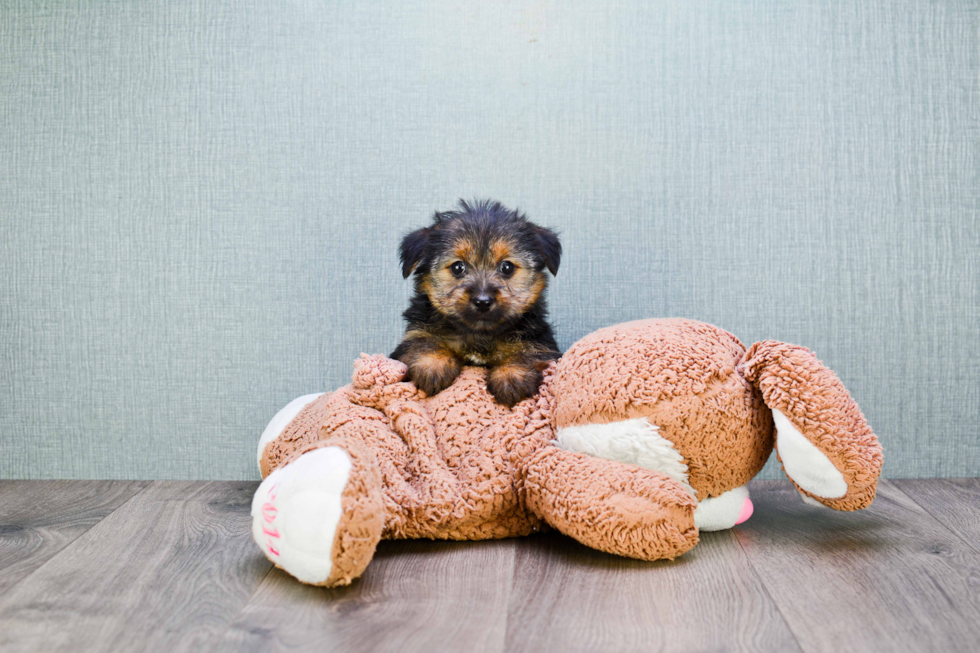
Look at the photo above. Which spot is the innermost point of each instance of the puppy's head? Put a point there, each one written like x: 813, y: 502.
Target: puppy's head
x: 482, y: 264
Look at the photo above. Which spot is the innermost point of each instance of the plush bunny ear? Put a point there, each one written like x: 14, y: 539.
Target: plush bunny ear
x: 413, y: 249
x: 823, y: 440
x: 549, y: 247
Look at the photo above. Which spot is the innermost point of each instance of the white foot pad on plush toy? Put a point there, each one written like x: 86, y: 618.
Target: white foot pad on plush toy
x: 282, y: 420
x: 296, y: 510
x: 805, y: 463
x: 723, y: 511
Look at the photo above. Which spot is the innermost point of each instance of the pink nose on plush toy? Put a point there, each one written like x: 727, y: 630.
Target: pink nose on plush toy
x: 746, y: 512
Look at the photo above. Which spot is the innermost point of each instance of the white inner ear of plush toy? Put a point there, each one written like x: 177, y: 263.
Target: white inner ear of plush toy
x: 282, y: 420
x: 805, y: 463
x: 634, y: 441
x: 296, y: 510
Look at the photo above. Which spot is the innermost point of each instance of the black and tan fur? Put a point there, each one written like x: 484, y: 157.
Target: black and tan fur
x: 479, y: 300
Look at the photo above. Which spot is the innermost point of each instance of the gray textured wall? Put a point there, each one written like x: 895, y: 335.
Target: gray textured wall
x: 200, y: 202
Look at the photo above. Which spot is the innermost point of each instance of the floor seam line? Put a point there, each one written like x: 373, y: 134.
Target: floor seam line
x: 510, y: 595
x: 68, y: 545
x: 908, y: 496
x: 765, y: 588
x: 234, y: 617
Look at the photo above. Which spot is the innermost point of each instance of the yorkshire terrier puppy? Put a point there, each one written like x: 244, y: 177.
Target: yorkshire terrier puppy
x: 479, y: 300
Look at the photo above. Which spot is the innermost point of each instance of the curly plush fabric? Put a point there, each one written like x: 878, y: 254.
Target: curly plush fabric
x: 794, y: 382
x: 620, y: 509
x: 681, y: 376
x: 682, y: 398
x: 447, y: 463
x: 362, y: 510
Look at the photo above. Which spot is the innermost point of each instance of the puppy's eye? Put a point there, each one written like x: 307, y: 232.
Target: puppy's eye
x: 507, y: 268
x: 458, y: 269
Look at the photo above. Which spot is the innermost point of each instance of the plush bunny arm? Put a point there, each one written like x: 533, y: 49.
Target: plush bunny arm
x: 611, y: 506
x: 825, y: 444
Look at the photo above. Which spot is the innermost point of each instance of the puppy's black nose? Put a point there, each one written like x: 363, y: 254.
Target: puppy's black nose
x: 483, y: 303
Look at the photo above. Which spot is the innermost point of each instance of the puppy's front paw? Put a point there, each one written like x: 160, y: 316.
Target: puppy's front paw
x: 510, y: 384
x: 432, y: 373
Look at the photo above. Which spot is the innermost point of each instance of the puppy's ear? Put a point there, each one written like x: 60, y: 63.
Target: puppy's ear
x: 413, y: 249
x: 549, y: 248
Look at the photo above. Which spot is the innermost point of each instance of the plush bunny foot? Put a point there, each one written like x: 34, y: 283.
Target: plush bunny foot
x: 724, y: 511
x: 320, y: 517
x: 296, y: 511
x: 825, y: 444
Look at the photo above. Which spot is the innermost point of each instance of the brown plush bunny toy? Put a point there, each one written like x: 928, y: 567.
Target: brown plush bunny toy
x: 641, y: 435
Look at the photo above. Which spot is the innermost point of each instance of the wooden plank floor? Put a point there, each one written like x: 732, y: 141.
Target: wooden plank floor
x: 167, y: 566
